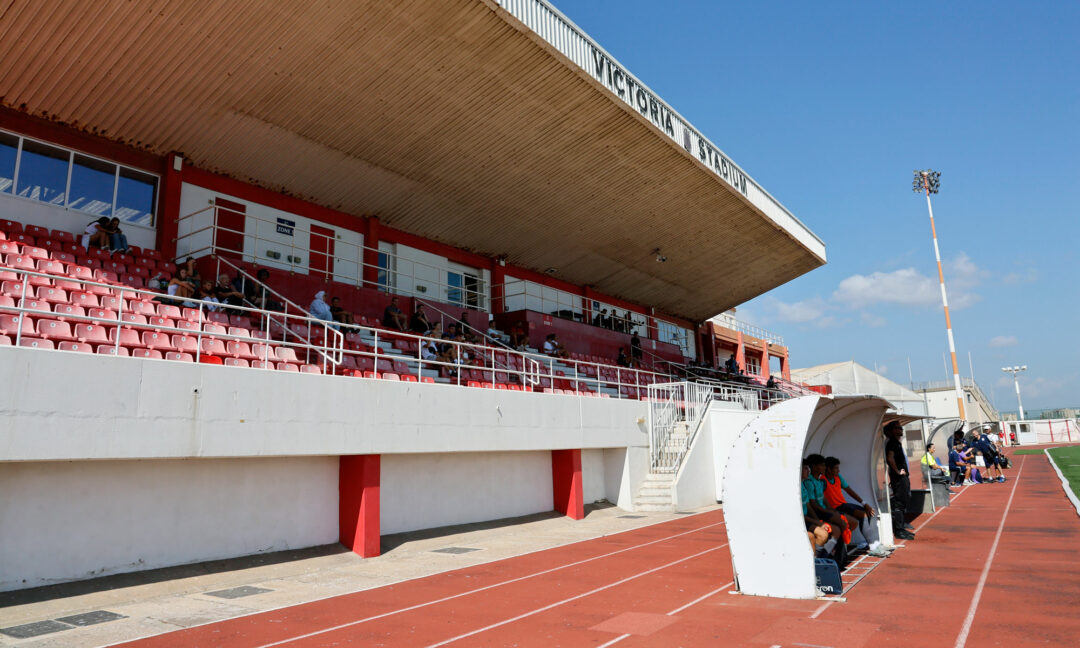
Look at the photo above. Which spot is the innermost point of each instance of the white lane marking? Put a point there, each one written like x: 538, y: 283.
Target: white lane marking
x: 574, y: 598
x: 675, y: 611
x: 1064, y: 482
x: 486, y: 587
x: 613, y: 641
x: 825, y: 606
x: 961, y: 640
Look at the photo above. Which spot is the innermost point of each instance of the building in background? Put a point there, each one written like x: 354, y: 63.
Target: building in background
x: 844, y: 378
x: 941, y: 401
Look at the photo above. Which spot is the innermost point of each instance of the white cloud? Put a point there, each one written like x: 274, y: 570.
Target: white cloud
x: 910, y: 287
x: 1003, y: 341
x: 1031, y: 275
x: 801, y: 311
x: 871, y: 320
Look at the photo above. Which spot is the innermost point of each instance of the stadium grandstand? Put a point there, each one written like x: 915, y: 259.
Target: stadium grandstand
x: 276, y: 275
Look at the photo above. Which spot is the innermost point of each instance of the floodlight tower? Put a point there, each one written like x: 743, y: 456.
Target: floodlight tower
x: 1016, y: 381
x: 929, y: 182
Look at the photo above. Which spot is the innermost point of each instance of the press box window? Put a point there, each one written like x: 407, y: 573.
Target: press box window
x: 92, y: 185
x: 43, y: 173
x: 9, y: 151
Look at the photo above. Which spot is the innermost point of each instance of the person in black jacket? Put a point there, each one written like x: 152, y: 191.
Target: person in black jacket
x: 899, y: 480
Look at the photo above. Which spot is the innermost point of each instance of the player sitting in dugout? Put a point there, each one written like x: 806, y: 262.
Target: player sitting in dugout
x: 835, y: 486
x: 824, y: 537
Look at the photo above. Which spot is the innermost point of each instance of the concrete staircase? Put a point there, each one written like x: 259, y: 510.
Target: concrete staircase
x: 655, y: 493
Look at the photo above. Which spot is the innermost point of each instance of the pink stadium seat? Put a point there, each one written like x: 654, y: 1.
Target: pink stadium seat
x: 311, y: 369
x: 7, y: 301
x: 37, y: 280
x: 8, y: 248
x: 35, y: 252
x: 241, y: 321
x: 37, y: 343
x: 9, y: 325
x: 261, y: 351
x: 84, y: 299
x: 179, y: 356
x: 9, y: 275
x: 113, y: 266
x: 259, y: 364
x: 108, y: 349
x: 146, y: 353
x: 391, y: 376
x: 155, y: 340
x: 25, y: 239
x: 160, y: 322
x: 240, y: 349
x: 52, y: 295
x: 75, y: 346
x: 473, y: 383
x: 218, y: 317
x: 236, y: 362
x: 210, y: 346
x: 287, y: 354
x: 99, y: 253
x: 37, y: 305
x: 287, y: 366
x: 185, y: 343
x: 143, y: 307
x: 51, y: 267
x: 192, y: 314
x: 369, y: 374
x: 133, y: 319
x: 63, y: 257
x: 100, y: 313
x: 214, y: 329
x: 514, y: 387
x: 5, y: 341
x: 106, y: 276
x: 80, y: 272
x: 237, y: 331
x: 15, y: 289
x: 20, y: 262
x: 168, y: 310
x: 347, y: 365
x: 94, y: 333
x: 128, y: 337
x: 187, y: 325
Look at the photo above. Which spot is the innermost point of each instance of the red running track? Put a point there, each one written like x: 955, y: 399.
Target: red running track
x: 998, y: 568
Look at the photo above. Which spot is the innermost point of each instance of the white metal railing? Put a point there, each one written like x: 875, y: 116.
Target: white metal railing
x: 729, y: 322
x: 676, y: 411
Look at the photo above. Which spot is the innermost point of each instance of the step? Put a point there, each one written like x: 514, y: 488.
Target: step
x: 654, y: 508
x: 655, y: 491
x: 658, y: 500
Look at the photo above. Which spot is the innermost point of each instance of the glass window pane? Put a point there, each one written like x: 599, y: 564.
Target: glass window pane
x: 9, y: 148
x: 136, y: 197
x: 43, y: 173
x: 92, y: 183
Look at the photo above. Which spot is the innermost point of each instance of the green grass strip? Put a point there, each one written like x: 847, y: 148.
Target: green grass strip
x: 1068, y: 462
x: 1028, y: 451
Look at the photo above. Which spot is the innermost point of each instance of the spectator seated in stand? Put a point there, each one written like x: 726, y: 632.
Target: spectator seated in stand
x: 205, y: 294
x: 834, y: 488
x: 181, y: 285
x: 622, y: 360
x: 257, y: 294
x: 117, y: 239
x: 393, y: 318
x: 429, y: 350
x: 419, y: 322
x: 553, y: 348
x: 340, y: 315
x: 772, y: 383
x: 96, y: 234
x: 225, y: 293
x: 519, y: 338
x: 319, y: 309
x: 731, y: 365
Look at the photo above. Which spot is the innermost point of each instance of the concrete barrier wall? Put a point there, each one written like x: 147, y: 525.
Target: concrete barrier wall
x: 58, y: 406
x: 64, y: 521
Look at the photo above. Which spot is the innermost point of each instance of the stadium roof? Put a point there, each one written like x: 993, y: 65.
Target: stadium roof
x: 452, y: 119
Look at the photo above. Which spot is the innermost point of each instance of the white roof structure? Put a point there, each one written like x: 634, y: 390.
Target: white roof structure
x: 850, y: 378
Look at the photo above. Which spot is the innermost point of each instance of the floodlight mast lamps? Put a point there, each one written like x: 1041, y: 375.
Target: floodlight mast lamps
x: 929, y: 182
x: 1016, y: 382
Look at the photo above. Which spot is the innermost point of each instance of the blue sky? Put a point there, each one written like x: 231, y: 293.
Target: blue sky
x: 830, y: 106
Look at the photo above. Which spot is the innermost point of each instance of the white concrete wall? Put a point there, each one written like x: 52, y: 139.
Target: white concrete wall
x: 423, y: 491
x: 695, y: 483
x: 261, y: 235
x: 58, y: 406
x: 66, y: 521
x: 726, y: 421
x: 593, y: 481
x: 32, y: 212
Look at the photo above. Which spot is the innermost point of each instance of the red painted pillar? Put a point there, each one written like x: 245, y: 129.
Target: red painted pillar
x: 785, y: 366
x: 370, y: 273
x: 566, y: 483
x: 358, y: 503
x: 764, y: 372
x: 169, y: 205
x: 740, y: 352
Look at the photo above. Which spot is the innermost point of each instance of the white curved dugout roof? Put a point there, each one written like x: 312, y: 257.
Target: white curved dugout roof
x: 762, y: 502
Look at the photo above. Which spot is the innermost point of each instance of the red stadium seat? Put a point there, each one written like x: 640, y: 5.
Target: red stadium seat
x: 37, y: 305
x: 94, y: 333
x: 134, y: 281
x: 75, y: 346
x: 128, y: 337
x: 99, y: 253
x: 8, y: 248
x: 288, y: 366
x: 35, y: 252
x: 192, y: 314
x: 100, y: 313
x: 62, y: 236
x: 84, y: 299
x: 5, y: 341
x: 169, y: 310
x: 237, y: 331
x: 263, y: 352
x: 80, y: 272
x: 143, y: 307
x: 20, y: 262
x: 88, y: 261
x: 52, y: 295
x: 185, y: 343
x: 37, y: 343
x: 133, y: 319
x: 241, y: 321
x: 427, y: 379
x: 214, y: 329
x: 370, y: 374
x: 51, y: 267
x: 10, y: 226
x: 186, y: 325
x: 15, y: 289
x: 408, y: 378
x: 259, y: 364
x: 106, y: 276
x: 9, y: 325
x: 239, y: 349
x: 139, y: 271
x: 218, y: 317
x: 311, y: 369
x: 108, y: 349
x: 146, y: 353
x: 211, y: 346
x: 155, y: 340
x: 7, y: 301
x: 36, y: 231
x: 25, y: 239
x: 113, y: 266
x: 160, y: 322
